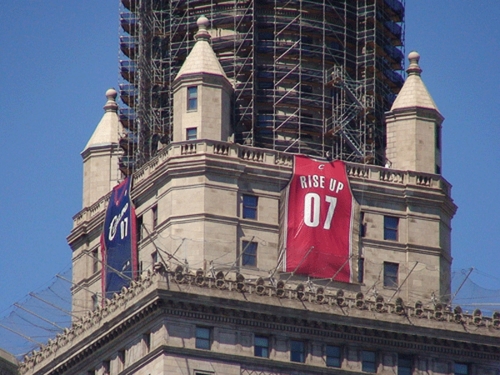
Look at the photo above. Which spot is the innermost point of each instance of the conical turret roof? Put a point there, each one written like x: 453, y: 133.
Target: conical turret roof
x: 414, y: 93
x: 106, y: 132
x: 202, y: 58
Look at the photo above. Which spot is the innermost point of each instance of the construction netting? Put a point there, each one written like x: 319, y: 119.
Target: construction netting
x: 41, y: 315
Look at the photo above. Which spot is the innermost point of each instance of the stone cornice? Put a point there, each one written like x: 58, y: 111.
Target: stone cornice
x: 291, y: 307
x: 420, y: 113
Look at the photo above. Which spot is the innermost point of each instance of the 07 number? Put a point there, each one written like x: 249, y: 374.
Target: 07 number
x: 312, y: 209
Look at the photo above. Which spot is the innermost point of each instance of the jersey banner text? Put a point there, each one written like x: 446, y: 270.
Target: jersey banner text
x: 118, y: 241
x: 317, y: 220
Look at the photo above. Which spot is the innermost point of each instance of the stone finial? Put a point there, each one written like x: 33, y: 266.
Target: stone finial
x: 414, y: 68
x: 202, y: 33
x: 111, y: 105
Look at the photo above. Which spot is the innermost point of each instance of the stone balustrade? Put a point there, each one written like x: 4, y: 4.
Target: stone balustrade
x: 270, y: 158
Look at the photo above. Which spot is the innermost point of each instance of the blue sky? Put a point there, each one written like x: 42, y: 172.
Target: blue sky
x: 58, y: 58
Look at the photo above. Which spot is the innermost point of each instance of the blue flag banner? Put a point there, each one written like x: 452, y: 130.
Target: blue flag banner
x: 118, y: 241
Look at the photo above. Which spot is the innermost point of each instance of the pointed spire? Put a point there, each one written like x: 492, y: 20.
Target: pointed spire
x: 414, y: 126
x: 107, y: 130
x: 100, y: 156
x: 414, y: 93
x: 202, y: 58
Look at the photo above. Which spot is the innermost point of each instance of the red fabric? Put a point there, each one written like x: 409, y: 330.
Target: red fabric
x: 319, y: 219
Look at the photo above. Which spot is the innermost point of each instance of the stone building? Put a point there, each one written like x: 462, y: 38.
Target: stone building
x: 209, y: 298
x: 8, y: 363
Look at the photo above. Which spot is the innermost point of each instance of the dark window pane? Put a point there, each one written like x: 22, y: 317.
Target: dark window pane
x: 95, y: 261
x: 297, y: 351
x: 461, y: 369
x: 261, y: 346
x: 391, y: 228
x: 391, y: 275
x: 405, y: 365
x: 361, y: 270
x: 191, y: 134
x: 362, y: 225
x: 249, y: 257
x: 203, y: 338
x: 333, y: 356
x: 192, y: 98
x: 138, y: 227
x: 369, y: 362
x: 249, y: 207
x: 155, y: 216
x: 438, y: 137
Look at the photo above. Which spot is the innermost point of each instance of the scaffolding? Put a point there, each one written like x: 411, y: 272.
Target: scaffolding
x: 309, y: 76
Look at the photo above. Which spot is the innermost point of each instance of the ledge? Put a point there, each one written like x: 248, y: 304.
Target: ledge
x: 264, y: 158
x: 278, y: 305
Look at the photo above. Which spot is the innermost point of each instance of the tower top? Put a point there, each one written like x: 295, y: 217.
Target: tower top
x: 414, y: 68
x: 106, y: 132
x: 414, y: 94
x: 202, y: 58
x: 111, y: 105
x: 202, y: 33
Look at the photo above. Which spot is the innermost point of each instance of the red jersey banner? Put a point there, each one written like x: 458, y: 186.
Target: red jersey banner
x: 317, y: 222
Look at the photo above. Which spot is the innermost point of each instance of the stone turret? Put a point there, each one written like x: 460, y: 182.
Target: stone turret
x: 414, y: 126
x: 100, y: 155
x: 202, y: 93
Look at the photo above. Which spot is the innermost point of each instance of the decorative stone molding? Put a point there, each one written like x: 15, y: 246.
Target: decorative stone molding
x: 236, y: 284
x: 264, y: 157
x: 89, y: 321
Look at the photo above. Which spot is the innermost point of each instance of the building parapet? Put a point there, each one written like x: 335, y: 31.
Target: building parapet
x: 271, y: 159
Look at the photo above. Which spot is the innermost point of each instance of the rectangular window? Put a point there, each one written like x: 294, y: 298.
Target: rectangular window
x: 192, y: 104
x: 333, y: 358
x: 261, y: 346
x: 368, y: 361
x: 297, y: 351
x: 121, y: 360
x: 191, y: 134
x: 438, y: 137
x: 106, y: 367
x: 391, y: 228
x: 95, y: 261
x: 154, y: 211
x: 362, y: 225
x: 146, y: 339
x: 203, y: 338
x: 138, y: 227
x: 154, y: 257
x: 391, y: 275
x: 361, y: 270
x: 461, y: 369
x: 95, y: 301
x: 249, y: 256
x: 405, y: 364
x: 249, y: 206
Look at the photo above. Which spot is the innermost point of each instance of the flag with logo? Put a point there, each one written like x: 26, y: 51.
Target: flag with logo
x: 118, y: 241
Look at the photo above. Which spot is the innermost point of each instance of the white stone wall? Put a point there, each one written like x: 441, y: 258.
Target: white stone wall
x: 197, y: 191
